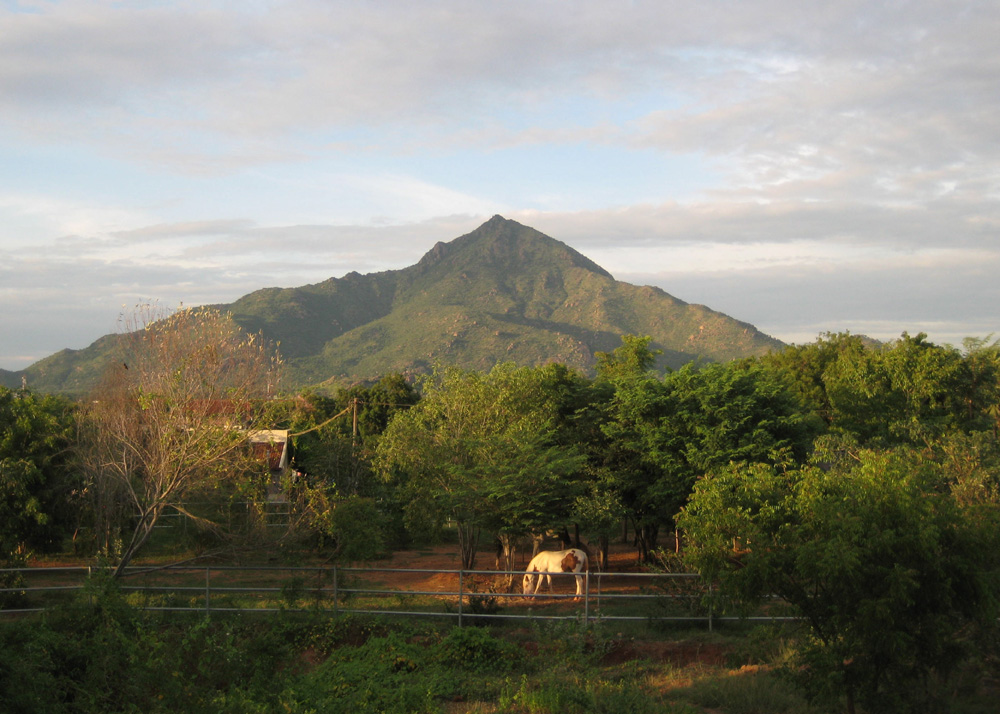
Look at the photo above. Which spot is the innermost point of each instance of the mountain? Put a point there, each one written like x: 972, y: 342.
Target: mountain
x: 504, y: 292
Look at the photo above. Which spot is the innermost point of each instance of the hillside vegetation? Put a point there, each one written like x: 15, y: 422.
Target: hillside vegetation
x: 502, y: 293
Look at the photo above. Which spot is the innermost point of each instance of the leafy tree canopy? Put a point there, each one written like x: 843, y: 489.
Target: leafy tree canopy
x: 909, y: 391
x: 35, y: 436
x: 873, y: 550
x: 663, y: 434
x: 482, y: 448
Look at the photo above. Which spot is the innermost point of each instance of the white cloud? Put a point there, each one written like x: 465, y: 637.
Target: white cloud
x: 197, y: 149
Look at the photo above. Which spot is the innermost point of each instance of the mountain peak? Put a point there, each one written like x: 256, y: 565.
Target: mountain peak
x: 508, y: 244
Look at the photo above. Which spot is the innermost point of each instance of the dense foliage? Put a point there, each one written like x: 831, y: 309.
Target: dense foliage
x: 872, y: 550
x: 99, y: 656
x: 481, y: 448
x: 36, y: 494
x: 860, y: 482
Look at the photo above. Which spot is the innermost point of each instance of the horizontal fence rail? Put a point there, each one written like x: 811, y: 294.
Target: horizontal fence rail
x: 460, y: 595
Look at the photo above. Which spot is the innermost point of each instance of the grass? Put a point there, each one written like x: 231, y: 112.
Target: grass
x: 522, y: 666
x: 310, y: 661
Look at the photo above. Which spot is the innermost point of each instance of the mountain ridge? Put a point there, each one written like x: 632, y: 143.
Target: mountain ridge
x: 503, y: 292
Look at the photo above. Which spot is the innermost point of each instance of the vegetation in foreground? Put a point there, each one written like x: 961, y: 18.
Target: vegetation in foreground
x: 105, y: 657
x: 98, y: 654
x: 861, y: 484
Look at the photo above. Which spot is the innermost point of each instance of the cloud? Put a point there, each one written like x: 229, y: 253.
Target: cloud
x: 948, y: 293
x: 831, y: 164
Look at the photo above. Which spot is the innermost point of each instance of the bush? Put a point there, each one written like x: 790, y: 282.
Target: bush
x: 386, y: 674
x: 475, y: 649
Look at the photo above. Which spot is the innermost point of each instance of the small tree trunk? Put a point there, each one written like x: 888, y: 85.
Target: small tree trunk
x: 141, y: 534
x: 603, y: 542
x: 498, y: 560
x: 536, y: 543
x: 468, y: 543
x: 508, y: 545
x: 645, y: 540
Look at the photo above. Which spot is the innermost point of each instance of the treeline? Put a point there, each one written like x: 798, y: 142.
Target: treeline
x: 503, y: 454
x: 860, y: 482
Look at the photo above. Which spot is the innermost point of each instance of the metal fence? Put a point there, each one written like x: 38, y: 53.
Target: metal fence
x: 460, y: 595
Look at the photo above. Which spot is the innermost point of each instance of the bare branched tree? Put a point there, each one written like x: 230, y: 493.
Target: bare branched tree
x: 171, y: 418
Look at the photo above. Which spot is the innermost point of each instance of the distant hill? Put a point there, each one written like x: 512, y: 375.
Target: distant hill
x: 504, y: 292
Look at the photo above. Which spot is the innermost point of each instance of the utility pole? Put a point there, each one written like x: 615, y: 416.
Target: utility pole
x: 354, y: 429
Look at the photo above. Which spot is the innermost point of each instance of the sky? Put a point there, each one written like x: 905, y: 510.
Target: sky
x: 806, y: 167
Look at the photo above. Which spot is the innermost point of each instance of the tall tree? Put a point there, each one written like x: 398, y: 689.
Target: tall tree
x: 172, y: 417
x: 481, y: 449
x: 35, y: 436
x: 909, y: 391
x: 886, y: 567
x: 665, y: 433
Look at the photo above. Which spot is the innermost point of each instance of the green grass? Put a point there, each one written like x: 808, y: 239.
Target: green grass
x: 99, y: 654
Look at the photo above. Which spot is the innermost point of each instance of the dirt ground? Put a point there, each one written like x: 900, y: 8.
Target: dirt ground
x: 622, y: 559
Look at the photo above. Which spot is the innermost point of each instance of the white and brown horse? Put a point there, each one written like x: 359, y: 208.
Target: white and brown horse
x: 542, y: 566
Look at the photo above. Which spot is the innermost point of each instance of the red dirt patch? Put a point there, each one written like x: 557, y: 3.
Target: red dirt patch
x: 445, y: 557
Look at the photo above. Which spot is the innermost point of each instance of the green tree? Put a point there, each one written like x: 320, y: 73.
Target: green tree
x: 982, y: 398
x: 481, y: 449
x: 909, y: 391
x: 883, y: 564
x: 35, y: 488
x: 806, y: 368
x: 663, y: 434
x: 334, y: 445
x: 171, y: 419
x: 633, y: 359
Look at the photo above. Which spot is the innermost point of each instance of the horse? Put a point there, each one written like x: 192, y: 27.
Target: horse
x: 547, y: 562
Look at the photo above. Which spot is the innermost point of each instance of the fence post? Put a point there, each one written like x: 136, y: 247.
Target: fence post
x: 207, y: 591
x: 710, y: 603
x: 460, y: 586
x: 335, y: 596
x: 586, y: 599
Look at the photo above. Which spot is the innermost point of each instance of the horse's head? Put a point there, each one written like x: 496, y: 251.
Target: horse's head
x: 528, y: 584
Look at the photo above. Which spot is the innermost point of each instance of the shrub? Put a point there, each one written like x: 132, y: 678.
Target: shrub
x: 475, y: 649
x: 386, y: 674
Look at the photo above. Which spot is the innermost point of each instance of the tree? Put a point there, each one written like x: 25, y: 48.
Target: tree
x: 664, y: 434
x: 806, y: 367
x: 481, y: 449
x: 633, y: 359
x: 906, y: 392
x: 171, y: 418
x: 335, y: 437
x: 35, y: 436
x: 880, y: 560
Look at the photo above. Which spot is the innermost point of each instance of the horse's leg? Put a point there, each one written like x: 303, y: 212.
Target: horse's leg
x: 548, y: 577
